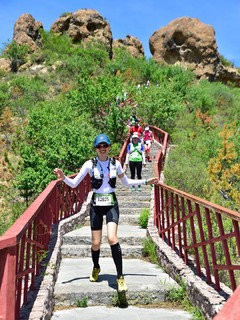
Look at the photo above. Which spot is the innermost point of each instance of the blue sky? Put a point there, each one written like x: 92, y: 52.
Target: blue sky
x: 135, y: 17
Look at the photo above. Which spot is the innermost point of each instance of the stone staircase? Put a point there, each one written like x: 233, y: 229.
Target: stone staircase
x: 146, y: 282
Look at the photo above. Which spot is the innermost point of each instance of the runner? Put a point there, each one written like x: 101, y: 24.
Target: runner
x: 136, y: 128
x: 148, y: 140
x: 133, y: 118
x: 136, y: 155
x: 103, y: 171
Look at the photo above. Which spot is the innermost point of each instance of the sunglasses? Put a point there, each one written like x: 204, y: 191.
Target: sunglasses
x: 105, y: 145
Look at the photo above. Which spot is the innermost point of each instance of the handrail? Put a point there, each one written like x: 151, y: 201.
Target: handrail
x: 23, y: 245
x: 230, y: 310
x: 123, y: 152
x: 181, y: 220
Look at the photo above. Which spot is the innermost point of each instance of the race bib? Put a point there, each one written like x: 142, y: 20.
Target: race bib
x: 103, y: 199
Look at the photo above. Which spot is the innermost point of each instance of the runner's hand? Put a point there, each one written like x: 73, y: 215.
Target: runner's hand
x: 59, y: 174
x: 153, y: 181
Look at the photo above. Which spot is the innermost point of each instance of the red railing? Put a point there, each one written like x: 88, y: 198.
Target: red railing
x: 123, y: 152
x: 187, y: 223
x: 25, y: 243
x: 207, y: 232
x: 230, y: 310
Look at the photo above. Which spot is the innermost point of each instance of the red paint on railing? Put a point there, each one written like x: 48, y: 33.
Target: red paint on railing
x: 123, y: 152
x: 24, y: 244
x: 230, y: 310
x: 186, y: 216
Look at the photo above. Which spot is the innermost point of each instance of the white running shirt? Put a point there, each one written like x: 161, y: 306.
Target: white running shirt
x: 105, y: 187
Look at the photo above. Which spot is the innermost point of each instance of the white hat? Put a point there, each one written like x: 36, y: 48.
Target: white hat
x: 135, y: 135
x: 147, y: 128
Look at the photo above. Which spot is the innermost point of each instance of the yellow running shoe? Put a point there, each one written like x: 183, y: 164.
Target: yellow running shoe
x: 122, y: 287
x: 94, y: 275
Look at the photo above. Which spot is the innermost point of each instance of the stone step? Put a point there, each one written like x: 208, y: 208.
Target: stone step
x: 85, y: 250
x: 129, y: 219
x: 131, y: 312
x: 147, y: 283
x: 135, y: 203
x: 121, y: 187
x: 131, y: 235
x: 144, y: 194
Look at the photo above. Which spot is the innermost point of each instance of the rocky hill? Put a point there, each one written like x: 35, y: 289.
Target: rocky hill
x: 191, y: 43
x: 184, y: 41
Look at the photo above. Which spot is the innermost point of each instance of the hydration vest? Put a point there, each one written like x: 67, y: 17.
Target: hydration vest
x: 97, y: 176
x: 135, y: 152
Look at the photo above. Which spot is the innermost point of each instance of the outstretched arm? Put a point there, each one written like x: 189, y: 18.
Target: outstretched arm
x: 133, y: 182
x: 73, y: 183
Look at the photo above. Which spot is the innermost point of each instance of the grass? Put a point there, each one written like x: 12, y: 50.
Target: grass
x: 178, y: 296
x: 82, y: 303
x: 149, y: 250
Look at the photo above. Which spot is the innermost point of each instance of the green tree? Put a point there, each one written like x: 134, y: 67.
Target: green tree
x: 56, y: 136
x: 159, y: 106
x: 97, y: 97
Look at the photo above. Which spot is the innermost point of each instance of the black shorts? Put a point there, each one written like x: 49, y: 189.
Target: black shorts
x: 97, y: 213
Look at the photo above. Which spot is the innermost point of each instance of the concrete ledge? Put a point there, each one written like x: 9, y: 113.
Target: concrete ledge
x: 199, y: 292
x: 40, y: 304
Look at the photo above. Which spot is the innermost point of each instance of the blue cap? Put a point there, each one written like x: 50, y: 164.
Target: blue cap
x: 101, y: 138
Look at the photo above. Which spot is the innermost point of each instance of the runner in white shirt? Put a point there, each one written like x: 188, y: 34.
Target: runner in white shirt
x: 103, y: 172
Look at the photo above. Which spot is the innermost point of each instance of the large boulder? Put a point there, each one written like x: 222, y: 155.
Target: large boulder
x: 133, y: 45
x: 85, y: 25
x: 26, y: 31
x: 191, y: 43
x: 188, y: 41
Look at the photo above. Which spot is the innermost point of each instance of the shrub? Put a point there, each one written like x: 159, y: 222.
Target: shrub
x: 65, y: 14
x: 143, y: 219
x: 17, y: 54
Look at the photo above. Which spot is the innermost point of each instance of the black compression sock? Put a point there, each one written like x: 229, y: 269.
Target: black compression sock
x: 117, y: 258
x: 95, y: 258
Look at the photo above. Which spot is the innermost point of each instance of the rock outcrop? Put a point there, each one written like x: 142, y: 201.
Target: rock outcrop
x: 5, y: 64
x: 191, y: 43
x: 85, y: 25
x: 188, y: 41
x: 26, y: 31
x: 133, y: 45
x: 185, y: 41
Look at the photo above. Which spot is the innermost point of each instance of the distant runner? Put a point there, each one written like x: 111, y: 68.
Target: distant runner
x: 148, y: 140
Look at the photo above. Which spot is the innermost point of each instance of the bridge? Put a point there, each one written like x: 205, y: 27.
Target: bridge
x: 32, y: 250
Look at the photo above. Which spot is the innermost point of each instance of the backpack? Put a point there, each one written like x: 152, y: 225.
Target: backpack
x: 97, y: 177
